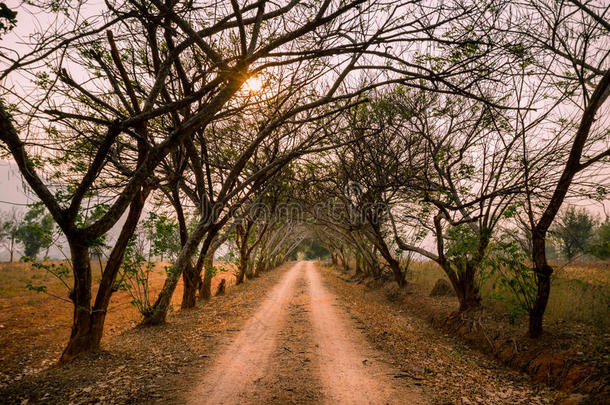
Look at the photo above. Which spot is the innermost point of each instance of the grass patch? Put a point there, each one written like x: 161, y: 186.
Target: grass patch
x: 581, y: 301
x: 579, y: 293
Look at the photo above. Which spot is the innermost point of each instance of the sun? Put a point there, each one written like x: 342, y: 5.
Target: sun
x: 253, y: 84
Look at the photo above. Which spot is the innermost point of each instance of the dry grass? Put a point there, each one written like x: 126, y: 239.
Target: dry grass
x: 579, y: 293
x: 592, y: 272
x: 34, y: 327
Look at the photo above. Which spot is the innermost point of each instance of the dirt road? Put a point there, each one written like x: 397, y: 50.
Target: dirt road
x: 299, y: 346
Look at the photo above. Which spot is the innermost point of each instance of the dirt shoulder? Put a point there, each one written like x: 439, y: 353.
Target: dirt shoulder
x: 144, y: 365
x: 448, y: 370
x: 572, y: 355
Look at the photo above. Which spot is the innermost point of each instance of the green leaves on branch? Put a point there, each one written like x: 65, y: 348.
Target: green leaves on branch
x: 37, y: 288
x: 512, y: 280
x: 462, y: 243
x: 135, y: 276
x: 8, y: 18
x: 164, y: 235
x: 60, y: 271
x: 211, y: 271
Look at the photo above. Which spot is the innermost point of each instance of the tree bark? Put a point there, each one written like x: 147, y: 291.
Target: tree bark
x: 464, y: 286
x: 243, y: 233
x: 241, y: 273
x: 191, y: 280
x: 345, y: 260
x: 536, y: 314
x: 81, y: 338
x: 260, y: 263
x: 221, y: 287
x: 358, y: 266
x: 573, y: 165
x: 205, y: 287
x: 87, y: 334
x: 158, y: 312
x: 394, y: 264
x: 254, y: 263
x: 399, y: 277
x: 469, y: 296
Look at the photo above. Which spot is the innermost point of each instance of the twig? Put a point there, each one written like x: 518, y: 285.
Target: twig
x: 493, y: 347
x: 406, y: 375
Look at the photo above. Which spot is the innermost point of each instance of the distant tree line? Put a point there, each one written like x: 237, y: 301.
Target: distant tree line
x: 579, y: 233
x: 34, y: 232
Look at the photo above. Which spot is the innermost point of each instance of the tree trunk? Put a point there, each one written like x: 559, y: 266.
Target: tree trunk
x: 468, y: 296
x: 465, y: 287
x: 191, y: 280
x: 260, y: 264
x: 262, y: 256
x: 243, y: 256
x: 253, y: 271
x: 394, y: 264
x: 345, y: 261
x: 253, y: 263
x: 241, y: 240
x: 87, y: 333
x: 543, y: 284
x: 205, y: 288
x: 81, y: 339
x: 221, y: 287
x: 399, y: 277
x: 159, y: 310
x: 241, y: 273
x: 358, y: 263
x: 536, y: 314
x: 249, y: 270
x: 573, y: 166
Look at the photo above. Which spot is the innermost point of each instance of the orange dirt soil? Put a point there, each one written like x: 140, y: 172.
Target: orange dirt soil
x: 34, y: 327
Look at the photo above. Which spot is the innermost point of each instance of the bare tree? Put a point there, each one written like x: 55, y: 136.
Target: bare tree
x: 567, y: 43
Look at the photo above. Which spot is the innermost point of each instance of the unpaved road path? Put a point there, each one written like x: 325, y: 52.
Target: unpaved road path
x: 301, y: 347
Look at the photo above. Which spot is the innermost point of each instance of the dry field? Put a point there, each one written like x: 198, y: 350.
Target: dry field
x: 34, y: 327
x: 580, y: 292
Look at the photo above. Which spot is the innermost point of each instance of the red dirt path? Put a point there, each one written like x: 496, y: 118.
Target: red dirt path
x: 300, y: 347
